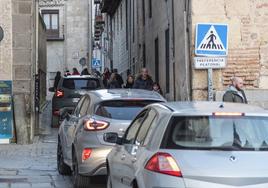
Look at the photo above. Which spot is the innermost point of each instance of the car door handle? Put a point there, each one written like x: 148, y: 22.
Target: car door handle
x: 123, y: 157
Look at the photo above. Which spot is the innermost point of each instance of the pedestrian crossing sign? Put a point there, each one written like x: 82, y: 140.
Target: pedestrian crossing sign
x: 211, y: 40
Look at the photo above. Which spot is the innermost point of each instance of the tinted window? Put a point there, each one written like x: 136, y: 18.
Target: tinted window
x: 84, y: 107
x: 78, y: 107
x: 88, y: 84
x: 226, y: 133
x: 145, y: 127
x: 121, y: 110
x: 133, y: 129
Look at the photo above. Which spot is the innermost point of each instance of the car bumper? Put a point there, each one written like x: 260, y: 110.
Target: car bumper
x: 58, y: 103
x: 96, y: 163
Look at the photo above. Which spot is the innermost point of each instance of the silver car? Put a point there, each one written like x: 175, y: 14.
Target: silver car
x: 81, y: 146
x: 192, y: 145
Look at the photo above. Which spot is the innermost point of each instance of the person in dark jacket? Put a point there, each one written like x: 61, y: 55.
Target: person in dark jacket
x: 85, y: 72
x: 118, y: 77
x: 57, y: 79
x: 130, y: 81
x: 106, y: 76
x: 143, y: 81
x: 113, y: 82
x: 235, y: 93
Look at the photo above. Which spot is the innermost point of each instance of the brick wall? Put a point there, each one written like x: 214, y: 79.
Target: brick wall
x: 248, y: 39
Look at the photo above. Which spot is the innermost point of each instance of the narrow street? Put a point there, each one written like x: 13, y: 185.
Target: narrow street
x: 34, y: 165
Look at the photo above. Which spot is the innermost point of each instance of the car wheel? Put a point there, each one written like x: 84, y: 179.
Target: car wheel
x: 109, y: 181
x: 62, y: 167
x: 135, y: 185
x: 79, y: 181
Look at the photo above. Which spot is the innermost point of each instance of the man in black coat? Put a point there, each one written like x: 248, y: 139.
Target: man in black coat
x: 143, y: 81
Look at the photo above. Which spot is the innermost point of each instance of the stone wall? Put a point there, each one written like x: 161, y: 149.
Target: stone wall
x: 78, y: 32
x: 248, y: 42
x: 6, y: 43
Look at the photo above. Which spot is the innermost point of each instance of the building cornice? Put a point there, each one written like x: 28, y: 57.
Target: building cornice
x: 51, y: 3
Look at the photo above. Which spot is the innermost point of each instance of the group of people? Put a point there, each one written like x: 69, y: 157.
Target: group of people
x: 113, y: 80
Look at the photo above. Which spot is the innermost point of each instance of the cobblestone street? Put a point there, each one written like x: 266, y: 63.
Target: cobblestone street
x: 34, y: 165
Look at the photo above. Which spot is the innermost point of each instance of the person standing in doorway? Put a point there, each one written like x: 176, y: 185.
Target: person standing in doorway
x: 144, y: 80
x: 235, y: 92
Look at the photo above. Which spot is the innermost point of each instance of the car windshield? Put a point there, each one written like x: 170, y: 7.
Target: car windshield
x: 223, y: 133
x: 81, y: 83
x: 121, y: 109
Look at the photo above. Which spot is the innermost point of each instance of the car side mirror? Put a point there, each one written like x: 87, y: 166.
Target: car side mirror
x: 65, y: 113
x: 112, y: 138
x: 51, y: 89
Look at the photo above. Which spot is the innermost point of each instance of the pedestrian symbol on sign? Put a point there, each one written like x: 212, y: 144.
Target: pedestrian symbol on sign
x: 211, y: 40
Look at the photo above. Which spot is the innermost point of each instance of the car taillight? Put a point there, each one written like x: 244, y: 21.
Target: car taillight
x: 59, y: 93
x: 163, y: 163
x: 86, y: 154
x: 95, y: 125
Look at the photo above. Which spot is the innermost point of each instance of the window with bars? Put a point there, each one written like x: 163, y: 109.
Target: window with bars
x: 51, y: 19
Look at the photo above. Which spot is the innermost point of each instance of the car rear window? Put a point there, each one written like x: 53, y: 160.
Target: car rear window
x: 81, y: 83
x: 121, y: 109
x: 223, y: 133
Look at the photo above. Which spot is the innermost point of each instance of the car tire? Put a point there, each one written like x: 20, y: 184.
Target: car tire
x: 63, y: 168
x: 109, y: 181
x: 79, y: 181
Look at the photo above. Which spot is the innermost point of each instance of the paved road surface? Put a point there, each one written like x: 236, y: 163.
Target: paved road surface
x: 34, y: 165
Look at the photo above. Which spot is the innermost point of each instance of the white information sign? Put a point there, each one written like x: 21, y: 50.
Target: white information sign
x: 209, y: 62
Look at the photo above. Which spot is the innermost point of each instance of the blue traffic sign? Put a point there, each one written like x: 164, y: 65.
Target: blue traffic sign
x: 211, y: 40
x: 96, y: 63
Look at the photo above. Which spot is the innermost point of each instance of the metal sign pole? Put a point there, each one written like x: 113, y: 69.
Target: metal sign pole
x: 210, y: 85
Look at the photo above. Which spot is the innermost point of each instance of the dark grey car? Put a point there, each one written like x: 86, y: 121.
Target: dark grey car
x: 69, y: 91
x: 82, y: 147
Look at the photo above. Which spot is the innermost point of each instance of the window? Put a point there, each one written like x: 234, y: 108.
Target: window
x: 126, y: 18
x: 121, y: 16
x: 144, y: 55
x: 150, y: 9
x: 78, y: 107
x: 87, y: 84
x: 143, y: 12
x: 84, y: 107
x: 133, y: 20
x: 145, y: 127
x: 167, y: 61
x: 156, y: 53
x: 242, y: 133
x: 133, y: 129
x: 51, y: 19
x: 121, y: 109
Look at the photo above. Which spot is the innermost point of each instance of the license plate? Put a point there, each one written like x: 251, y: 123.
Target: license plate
x: 75, y: 99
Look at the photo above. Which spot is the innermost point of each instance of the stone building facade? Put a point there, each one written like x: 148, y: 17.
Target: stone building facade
x: 23, y: 60
x: 69, y: 35
x: 161, y: 36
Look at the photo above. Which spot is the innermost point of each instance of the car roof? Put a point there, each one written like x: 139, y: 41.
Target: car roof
x: 78, y: 76
x: 207, y: 108
x: 118, y: 94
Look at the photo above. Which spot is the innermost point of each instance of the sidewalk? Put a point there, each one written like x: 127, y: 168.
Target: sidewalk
x: 35, y: 165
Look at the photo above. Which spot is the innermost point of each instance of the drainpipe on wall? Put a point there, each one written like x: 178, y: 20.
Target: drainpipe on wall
x: 187, y: 38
